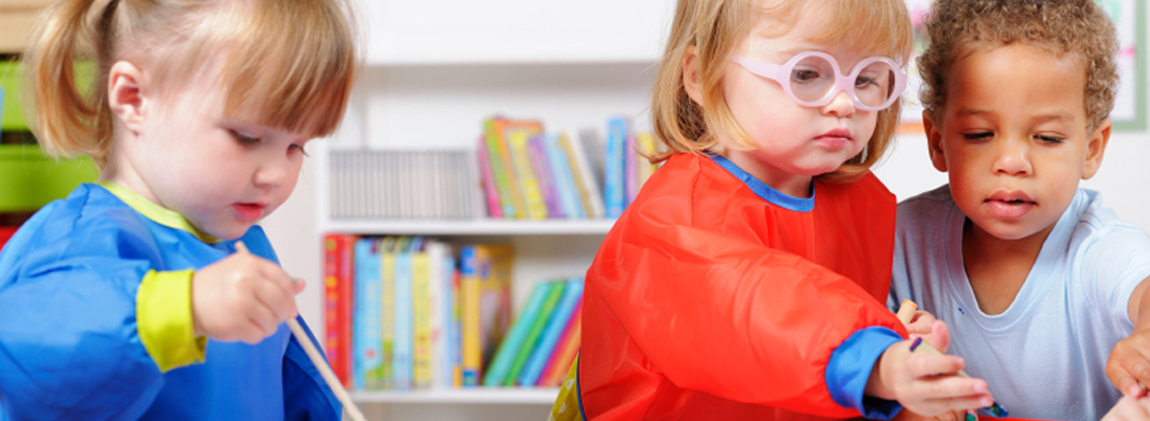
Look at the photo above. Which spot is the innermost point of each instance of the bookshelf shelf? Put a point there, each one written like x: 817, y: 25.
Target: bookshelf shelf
x: 472, y: 227
x: 504, y: 396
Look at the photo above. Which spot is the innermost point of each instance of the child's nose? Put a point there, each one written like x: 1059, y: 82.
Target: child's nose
x: 1013, y: 158
x: 271, y: 175
x: 840, y: 106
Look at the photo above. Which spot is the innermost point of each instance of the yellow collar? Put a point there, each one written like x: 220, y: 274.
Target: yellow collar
x: 156, y: 213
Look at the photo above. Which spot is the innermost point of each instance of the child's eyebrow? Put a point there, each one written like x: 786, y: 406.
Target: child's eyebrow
x: 1062, y: 116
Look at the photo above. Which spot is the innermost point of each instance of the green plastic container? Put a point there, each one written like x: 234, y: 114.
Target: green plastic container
x: 11, y: 117
x: 30, y: 179
x: 12, y: 80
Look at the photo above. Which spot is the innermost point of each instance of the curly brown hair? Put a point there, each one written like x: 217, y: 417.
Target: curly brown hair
x: 1076, y: 27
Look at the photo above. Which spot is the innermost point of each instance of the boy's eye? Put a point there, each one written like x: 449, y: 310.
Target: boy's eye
x: 977, y: 135
x: 244, y: 139
x: 1049, y: 139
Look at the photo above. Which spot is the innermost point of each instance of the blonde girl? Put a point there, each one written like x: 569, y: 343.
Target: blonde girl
x: 125, y: 300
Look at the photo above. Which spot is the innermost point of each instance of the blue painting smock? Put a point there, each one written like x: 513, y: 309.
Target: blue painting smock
x: 72, y: 345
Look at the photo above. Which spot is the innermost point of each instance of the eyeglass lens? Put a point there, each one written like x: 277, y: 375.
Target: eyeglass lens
x: 812, y: 78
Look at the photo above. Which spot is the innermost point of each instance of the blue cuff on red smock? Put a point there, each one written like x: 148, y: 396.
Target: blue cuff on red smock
x: 850, y: 367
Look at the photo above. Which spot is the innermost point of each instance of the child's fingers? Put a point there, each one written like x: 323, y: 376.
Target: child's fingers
x: 921, y: 324
x: 924, y: 365
x: 273, y: 297
x: 1128, y: 408
x: 284, y: 303
x: 263, y: 323
x: 939, y: 336
x: 1126, y: 383
x: 954, y: 387
x: 299, y: 284
x: 959, y: 405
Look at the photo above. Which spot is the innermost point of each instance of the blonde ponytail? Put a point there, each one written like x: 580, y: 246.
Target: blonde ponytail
x: 66, y: 120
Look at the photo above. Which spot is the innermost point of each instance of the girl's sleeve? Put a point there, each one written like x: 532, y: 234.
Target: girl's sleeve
x: 69, y: 344
x: 761, y: 325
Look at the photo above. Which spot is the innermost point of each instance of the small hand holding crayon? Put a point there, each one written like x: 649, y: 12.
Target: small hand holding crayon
x: 905, y: 312
x: 1129, y: 364
x: 242, y: 297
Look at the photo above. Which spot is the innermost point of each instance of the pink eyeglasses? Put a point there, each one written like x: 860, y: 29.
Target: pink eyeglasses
x: 813, y: 78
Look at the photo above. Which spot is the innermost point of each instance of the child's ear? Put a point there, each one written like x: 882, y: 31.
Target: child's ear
x: 691, y: 75
x: 125, y: 94
x: 934, y: 142
x: 1095, y: 148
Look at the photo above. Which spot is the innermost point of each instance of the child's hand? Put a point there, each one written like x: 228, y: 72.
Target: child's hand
x: 1129, y: 364
x: 921, y: 324
x: 918, y: 380
x: 242, y: 298
x: 1128, y: 409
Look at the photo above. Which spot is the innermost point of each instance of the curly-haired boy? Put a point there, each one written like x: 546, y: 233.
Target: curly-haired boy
x: 1036, y: 280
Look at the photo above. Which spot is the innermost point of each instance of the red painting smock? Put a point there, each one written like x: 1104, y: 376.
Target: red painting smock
x: 707, y: 301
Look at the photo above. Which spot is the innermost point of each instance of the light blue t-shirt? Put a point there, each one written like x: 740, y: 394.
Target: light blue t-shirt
x: 1045, y: 356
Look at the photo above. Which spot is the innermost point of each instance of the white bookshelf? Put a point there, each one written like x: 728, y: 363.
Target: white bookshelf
x: 488, y: 227
x: 482, y: 395
x: 434, y: 71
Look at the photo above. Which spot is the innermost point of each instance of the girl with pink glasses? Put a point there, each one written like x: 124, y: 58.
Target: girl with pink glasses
x: 747, y: 279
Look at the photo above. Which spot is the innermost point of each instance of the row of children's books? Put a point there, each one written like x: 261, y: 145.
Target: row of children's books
x: 399, y: 184
x: 530, y: 173
x: 410, y: 312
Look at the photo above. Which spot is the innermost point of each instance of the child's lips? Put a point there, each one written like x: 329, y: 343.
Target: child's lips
x: 249, y: 211
x: 1009, y: 205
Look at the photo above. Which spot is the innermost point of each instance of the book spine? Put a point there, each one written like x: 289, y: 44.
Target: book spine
x: 645, y: 142
x: 531, y: 342
x: 565, y: 186
x: 440, y: 293
x: 387, y: 313
x: 588, y: 184
x: 402, y: 353
x: 455, y: 341
x: 500, y: 365
x: 421, y: 319
x: 359, y: 316
x: 497, y: 263
x: 367, y: 319
x: 558, y: 321
x: 469, y: 300
x: 613, y: 173
x: 501, y: 169
x: 565, y: 351
x: 631, y: 171
x: 490, y: 191
x: 337, y: 317
x: 525, y: 175
x: 541, y: 164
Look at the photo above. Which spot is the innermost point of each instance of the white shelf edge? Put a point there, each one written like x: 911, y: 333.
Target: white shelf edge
x: 483, y: 395
x: 471, y: 227
x: 389, y: 62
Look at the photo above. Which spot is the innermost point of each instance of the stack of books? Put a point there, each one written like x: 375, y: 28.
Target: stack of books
x: 409, y: 312
x: 529, y: 173
x: 383, y: 184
